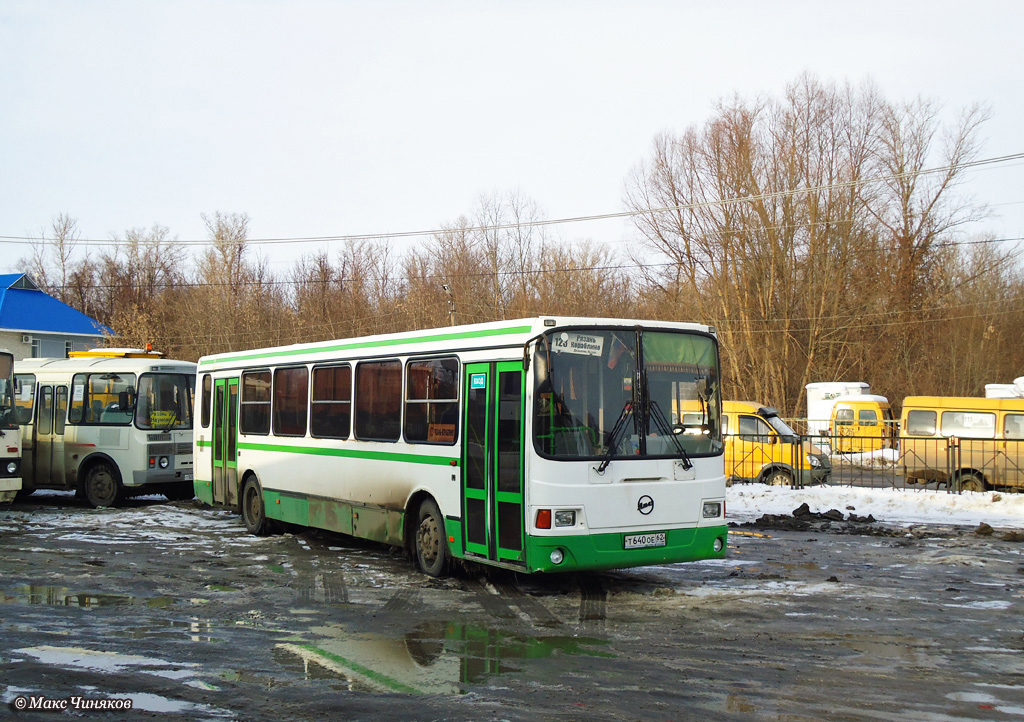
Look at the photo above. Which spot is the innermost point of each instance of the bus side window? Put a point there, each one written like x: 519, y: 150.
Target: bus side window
x: 25, y: 396
x: 921, y: 423
x: 1013, y: 426
x: 205, y: 400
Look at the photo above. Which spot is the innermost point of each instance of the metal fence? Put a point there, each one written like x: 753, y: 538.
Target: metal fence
x: 884, y: 458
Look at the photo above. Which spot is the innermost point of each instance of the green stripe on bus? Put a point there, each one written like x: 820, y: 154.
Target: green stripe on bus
x: 351, y: 453
x: 203, y: 444
x: 372, y: 674
x: 512, y: 330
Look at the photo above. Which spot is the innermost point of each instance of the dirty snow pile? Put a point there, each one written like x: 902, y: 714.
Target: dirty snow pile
x: 747, y: 502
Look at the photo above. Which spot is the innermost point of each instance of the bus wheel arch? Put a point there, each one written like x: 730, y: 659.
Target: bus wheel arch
x: 428, y: 540
x: 254, y: 513
x: 971, y: 480
x: 101, y: 483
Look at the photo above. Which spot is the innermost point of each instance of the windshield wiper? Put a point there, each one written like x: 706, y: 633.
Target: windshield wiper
x: 666, y: 428
x: 613, y: 444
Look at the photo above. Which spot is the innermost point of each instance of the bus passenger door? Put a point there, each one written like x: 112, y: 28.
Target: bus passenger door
x: 225, y: 442
x: 58, y: 465
x: 43, y: 436
x: 492, y: 461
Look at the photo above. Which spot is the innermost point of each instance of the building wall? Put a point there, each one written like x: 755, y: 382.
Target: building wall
x: 44, y: 345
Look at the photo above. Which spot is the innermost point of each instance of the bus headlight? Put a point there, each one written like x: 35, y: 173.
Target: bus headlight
x: 712, y: 509
x: 557, y: 555
x: 164, y: 461
x: 12, y: 466
x: 813, y: 460
x: 565, y: 518
x: 718, y: 544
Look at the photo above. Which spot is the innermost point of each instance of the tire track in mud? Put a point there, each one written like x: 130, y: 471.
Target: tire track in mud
x: 317, y: 586
x: 403, y: 600
x: 593, y: 604
x: 535, y: 610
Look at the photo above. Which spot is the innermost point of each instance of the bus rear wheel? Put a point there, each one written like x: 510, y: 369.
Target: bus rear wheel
x: 254, y: 515
x: 431, y: 546
x: 102, y: 485
x: 972, y: 482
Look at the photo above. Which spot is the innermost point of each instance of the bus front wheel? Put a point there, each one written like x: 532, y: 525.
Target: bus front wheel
x: 431, y: 546
x: 102, y: 485
x: 254, y: 515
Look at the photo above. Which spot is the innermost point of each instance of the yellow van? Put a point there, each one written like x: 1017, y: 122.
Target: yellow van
x: 760, y: 446
x: 861, y: 423
x: 974, y: 441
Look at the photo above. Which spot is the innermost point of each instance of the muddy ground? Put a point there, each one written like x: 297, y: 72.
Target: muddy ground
x: 174, y: 607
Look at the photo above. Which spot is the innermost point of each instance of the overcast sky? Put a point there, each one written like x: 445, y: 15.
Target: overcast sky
x: 321, y: 118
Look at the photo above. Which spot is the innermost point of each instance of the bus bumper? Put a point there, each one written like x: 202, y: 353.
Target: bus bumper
x: 607, y: 551
x: 147, y: 477
x: 9, y: 488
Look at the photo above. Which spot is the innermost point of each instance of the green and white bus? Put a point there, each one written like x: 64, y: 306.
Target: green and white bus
x: 108, y: 424
x: 10, y: 437
x: 538, y: 445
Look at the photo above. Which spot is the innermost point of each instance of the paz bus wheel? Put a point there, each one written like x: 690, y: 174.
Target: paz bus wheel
x: 103, y: 485
x: 431, y: 546
x: 972, y: 482
x: 254, y: 515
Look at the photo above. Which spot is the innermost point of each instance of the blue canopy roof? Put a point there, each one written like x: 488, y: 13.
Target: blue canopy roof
x: 23, y: 307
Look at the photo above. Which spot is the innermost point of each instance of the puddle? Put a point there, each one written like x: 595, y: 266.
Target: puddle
x: 195, y: 630
x: 435, y: 659
x: 63, y: 597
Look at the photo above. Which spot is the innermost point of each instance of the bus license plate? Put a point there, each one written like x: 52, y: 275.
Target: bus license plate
x: 642, y: 541
x: 187, y: 476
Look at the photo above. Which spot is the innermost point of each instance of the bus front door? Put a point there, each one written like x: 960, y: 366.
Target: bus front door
x: 492, y: 462
x: 48, y: 445
x: 225, y: 442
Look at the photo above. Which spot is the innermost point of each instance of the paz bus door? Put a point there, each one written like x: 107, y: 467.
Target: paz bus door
x: 492, y: 462
x: 48, y: 446
x: 225, y: 442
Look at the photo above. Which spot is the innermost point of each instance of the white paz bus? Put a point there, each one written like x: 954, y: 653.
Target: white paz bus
x: 538, y: 445
x: 109, y: 424
x: 10, y: 438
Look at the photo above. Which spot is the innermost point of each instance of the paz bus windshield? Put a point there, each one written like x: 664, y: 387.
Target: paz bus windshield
x: 165, y: 402
x: 605, y: 393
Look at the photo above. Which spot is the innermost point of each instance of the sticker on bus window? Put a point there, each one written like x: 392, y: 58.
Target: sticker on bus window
x: 478, y: 381
x: 581, y: 344
x: 78, y: 392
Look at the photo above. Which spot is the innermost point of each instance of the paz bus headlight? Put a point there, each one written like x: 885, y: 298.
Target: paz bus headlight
x: 12, y: 466
x: 164, y: 461
x: 712, y: 509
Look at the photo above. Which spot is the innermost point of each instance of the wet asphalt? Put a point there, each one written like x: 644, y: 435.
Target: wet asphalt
x: 174, y: 607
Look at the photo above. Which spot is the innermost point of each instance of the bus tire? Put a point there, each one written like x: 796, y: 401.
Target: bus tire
x: 430, y: 543
x: 778, y: 477
x: 254, y: 514
x: 103, y: 485
x: 972, y: 481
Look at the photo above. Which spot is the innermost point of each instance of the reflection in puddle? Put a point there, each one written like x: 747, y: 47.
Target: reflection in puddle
x: 61, y: 596
x: 435, y: 659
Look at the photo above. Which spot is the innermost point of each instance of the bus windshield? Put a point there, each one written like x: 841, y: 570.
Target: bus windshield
x: 7, y: 417
x: 627, y: 393
x: 164, y: 402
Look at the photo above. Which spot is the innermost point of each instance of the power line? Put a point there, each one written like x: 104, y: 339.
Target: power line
x: 314, y: 283
x: 560, y: 221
